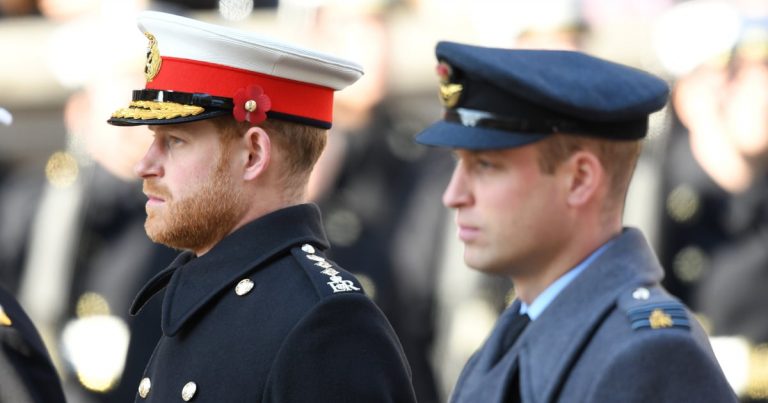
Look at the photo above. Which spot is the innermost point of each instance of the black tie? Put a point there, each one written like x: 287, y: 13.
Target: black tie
x: 513, y: 331
x: 510, y: 333
x: 516, y: 326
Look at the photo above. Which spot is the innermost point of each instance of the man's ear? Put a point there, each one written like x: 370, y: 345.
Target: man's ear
x: 585, y: 175
x: 258, y: 152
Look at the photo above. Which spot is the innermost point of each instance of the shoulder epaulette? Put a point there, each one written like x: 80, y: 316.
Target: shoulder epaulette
x: 327, y: 278
x: 652, y: 308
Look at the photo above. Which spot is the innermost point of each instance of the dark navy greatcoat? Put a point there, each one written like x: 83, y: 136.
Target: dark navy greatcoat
x: 264, y: 317
x: 26, y: 372
x: 612, y: 335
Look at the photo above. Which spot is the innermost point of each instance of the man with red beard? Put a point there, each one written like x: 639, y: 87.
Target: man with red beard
x: 252, y: 310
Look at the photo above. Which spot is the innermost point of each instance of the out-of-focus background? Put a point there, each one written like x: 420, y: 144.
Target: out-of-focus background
x: 72, y: 246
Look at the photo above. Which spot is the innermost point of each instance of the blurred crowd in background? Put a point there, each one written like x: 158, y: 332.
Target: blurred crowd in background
x: 72, y: 244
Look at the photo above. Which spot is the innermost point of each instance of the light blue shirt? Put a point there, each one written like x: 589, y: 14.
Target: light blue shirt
x: 550, y: 293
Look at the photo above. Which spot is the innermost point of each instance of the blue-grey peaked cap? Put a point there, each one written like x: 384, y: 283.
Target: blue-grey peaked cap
x: 499, y: 98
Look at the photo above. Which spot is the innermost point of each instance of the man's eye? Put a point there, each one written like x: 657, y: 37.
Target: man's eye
x: 174, y: 141
x: 484, y: 164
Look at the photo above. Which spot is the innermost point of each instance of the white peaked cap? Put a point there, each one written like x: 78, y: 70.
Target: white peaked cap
x: 196, y: 70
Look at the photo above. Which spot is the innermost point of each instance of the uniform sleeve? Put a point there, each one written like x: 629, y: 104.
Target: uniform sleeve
x: 12, y: 388
x: 26, y: 371
x: 663, y: 367
x: 344, y: 350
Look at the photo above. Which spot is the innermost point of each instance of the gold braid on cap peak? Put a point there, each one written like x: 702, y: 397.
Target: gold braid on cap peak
x: 156, y: 110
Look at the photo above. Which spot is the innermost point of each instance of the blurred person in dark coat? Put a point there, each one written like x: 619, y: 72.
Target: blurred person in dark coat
x: 713, y: 227
x: 73, y: 234
x: 27, y: 373
x: 84, y: 254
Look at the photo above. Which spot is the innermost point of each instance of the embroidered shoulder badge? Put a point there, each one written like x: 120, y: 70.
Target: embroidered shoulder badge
x: 337, y: 283
x: 648, y: 309
x: 659, y: 316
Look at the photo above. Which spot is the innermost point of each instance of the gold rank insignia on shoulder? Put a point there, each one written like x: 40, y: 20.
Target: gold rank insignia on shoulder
x: 659, y: 319
x: 661, y: 315
x: 5, y: 320
x: 449, y: 92
x: 152, y: 66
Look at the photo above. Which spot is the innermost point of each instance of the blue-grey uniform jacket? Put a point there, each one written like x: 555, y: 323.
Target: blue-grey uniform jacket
x: 26, y: 371
x: 264, y: 317
x: 612, y: 335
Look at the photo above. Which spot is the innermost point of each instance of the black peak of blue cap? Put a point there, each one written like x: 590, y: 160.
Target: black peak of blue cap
x: 499, y: 98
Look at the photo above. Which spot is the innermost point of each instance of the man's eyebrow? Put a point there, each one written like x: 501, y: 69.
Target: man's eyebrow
x: 166, y: 130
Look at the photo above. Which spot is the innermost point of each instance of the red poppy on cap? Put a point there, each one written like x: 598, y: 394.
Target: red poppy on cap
x: 251, y: 104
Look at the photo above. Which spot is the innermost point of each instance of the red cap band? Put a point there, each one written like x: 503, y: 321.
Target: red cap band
x: 288, y: 96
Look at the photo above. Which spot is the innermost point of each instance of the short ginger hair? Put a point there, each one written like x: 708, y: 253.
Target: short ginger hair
x: 301, y: 144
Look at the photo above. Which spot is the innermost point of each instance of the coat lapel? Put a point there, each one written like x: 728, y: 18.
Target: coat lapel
x: 194, y: 282
x: 158, y: 282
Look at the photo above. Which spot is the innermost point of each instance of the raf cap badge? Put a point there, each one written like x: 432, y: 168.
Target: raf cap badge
x: 449, y: 92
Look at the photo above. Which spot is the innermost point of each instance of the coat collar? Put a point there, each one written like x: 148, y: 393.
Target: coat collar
x: 192, y: 282
x: 551, y: 343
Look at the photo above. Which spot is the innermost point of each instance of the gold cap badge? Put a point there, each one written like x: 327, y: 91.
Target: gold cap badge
x: 449, y: 92
x: 152, y: 66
